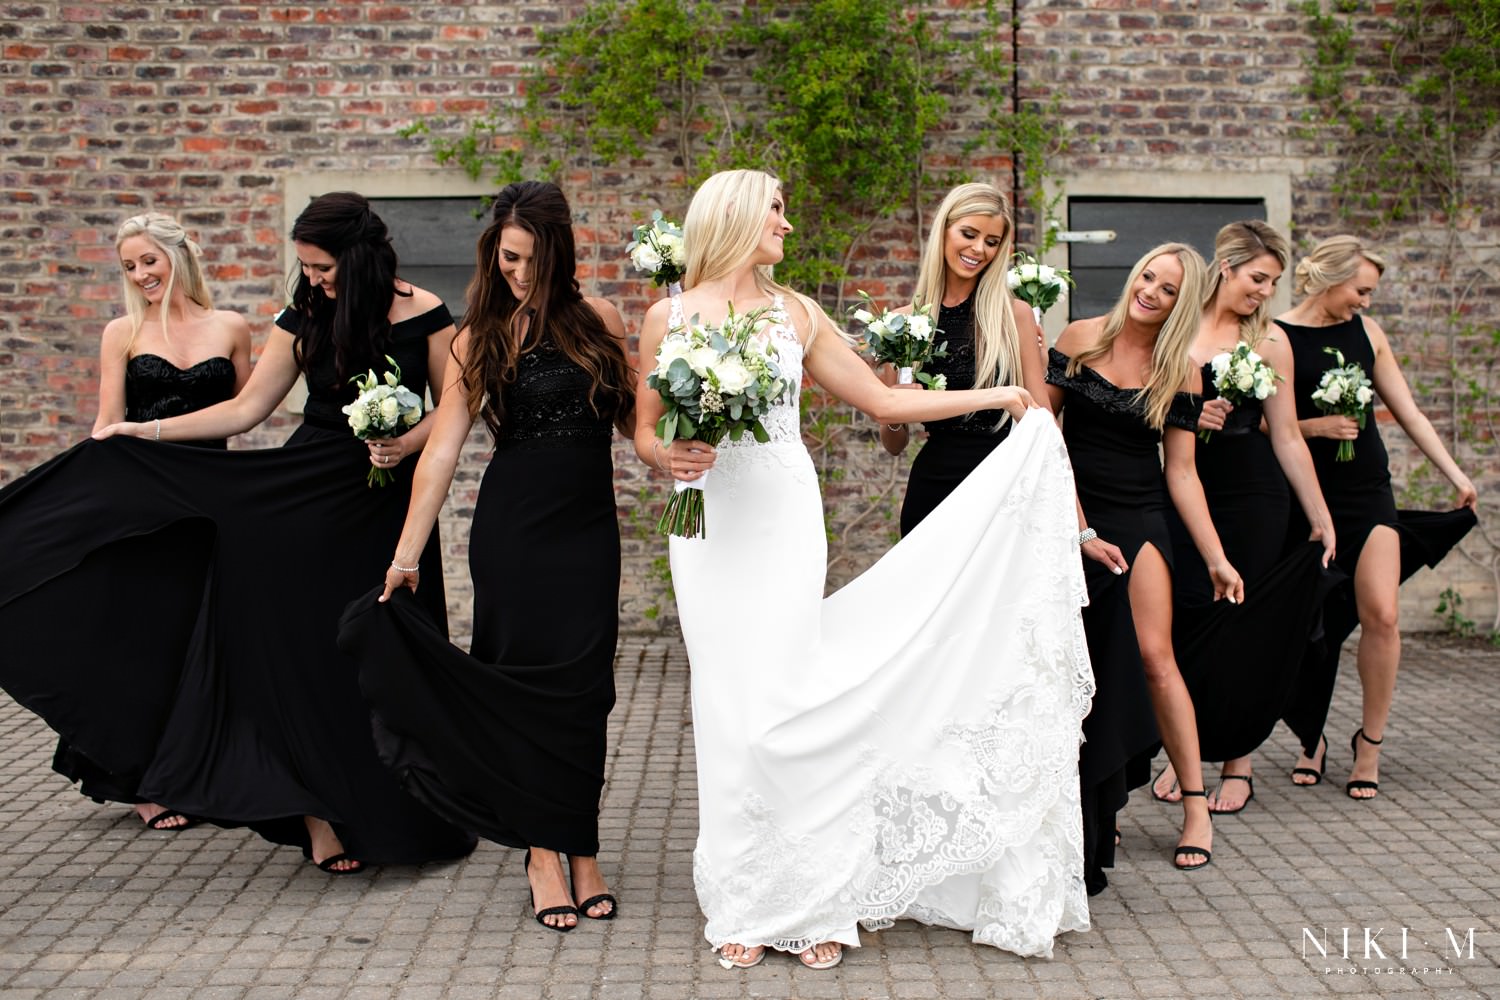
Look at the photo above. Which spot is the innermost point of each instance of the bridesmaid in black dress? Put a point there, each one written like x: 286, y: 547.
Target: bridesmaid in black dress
x: 1245, y: 467
x: 509, y: 739
x: 1118, y: 382
x: 172, y: 353
x: 291, y: 739
x: 1377, y: 548
x: 963, y: 270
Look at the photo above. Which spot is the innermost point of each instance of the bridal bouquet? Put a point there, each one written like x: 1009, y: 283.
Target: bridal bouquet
x: 384, y: 408
x: 905, y: 341
x: 1038, y: 285
x: 714, y: 381
x: 1344, y: 390
x: 656, y: 249
x: 1241, y: 374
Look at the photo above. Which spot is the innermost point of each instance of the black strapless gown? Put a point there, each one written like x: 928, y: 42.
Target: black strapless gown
x: 956, y: 446
x: 1240, y: 689
x: 1359, y: 497
x: 508, y: 740
x: 1118, y: 474
x: 227, y: 572
x: 155, y: 389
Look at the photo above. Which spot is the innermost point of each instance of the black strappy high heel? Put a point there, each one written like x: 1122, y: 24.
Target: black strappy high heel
x: 1188, y: 849
x: 551, y: 911
x: 1352, y: 784
x: 1316, y: 774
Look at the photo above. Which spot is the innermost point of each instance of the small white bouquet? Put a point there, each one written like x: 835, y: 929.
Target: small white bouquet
x: 906, y: 341
x: 1040, y: 286
x: 714, y: 381
x: 384, y: 409
x: 1345, y: 390
x: 1241, y: 374
x: 656, y: 249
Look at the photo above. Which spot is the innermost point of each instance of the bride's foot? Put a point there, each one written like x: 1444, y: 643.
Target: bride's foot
x: 737, y: 956
x: 161, y: 818
x: 824, y: 955
x: 1194, y: 847
x: 326, y: 850
x: 550, y: 903
x: 1164, y: 788
x: 589, y: 889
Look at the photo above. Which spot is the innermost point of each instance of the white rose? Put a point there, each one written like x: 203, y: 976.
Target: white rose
x: 1047, y: 274
x: 880, y: 329
x: 1012, y: 279
x: 1244, y: 381
x: 1332, y: 392
x: 1364, y: 395
x: 701, y: 359
x: 412, y: 417
x: 734, y: 378
x: 1028, y: 273
x: 939, y: 382
x: 920, y: 327
x: 360, y: 419
x: 1220, y: 364
x: 645, y: 258
x: 671, y: 245
x: 671, y: 349
x: 389, y: 409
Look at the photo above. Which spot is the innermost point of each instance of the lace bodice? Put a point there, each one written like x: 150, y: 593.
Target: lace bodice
x: 782, y: 422
x: 547, y: 406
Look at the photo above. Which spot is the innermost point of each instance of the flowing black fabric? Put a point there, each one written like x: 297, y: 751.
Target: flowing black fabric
x: 1118, y: 473
x: 155, y: 389
x: 957, y: 445
x: 174, y: 617
x: 1359, y: 497
x: 508, y: 740
x: 1240, y: 689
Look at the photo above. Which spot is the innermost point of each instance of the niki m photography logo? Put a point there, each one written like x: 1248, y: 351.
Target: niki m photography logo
x: 1388, y: 951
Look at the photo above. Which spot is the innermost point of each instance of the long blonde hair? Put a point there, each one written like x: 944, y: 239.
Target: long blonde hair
x: 1170, y: 362
x: 997, y: 340
x: 723, y: 227
x: 1333, y: 262
x: 168, y: 236
x: 1235, y: 246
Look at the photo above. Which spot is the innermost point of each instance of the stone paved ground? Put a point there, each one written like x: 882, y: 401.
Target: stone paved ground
x: 93, y: 906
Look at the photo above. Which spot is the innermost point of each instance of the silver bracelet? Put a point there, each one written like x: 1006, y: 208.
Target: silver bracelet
x: 895, y: 427
x: 656, y: 460
x: 158, y: 429
x: 1086, y: 535
x: 404, y: 569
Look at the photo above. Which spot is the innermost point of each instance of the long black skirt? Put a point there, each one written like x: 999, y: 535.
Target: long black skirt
x: 173, y: 616
x: 508, y: 740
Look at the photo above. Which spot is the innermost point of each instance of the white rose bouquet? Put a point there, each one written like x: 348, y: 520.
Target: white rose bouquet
x: 1038, y: 285
x: 906, y: 341
x: 384, y: 408
x: 656, y: 249
x: 714, y: 381
x: 1241, y: 374
x: 1345, y: 390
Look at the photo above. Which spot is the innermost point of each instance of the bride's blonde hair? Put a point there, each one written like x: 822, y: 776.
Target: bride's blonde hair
x: 1170, y: 360
x: 723, y: 228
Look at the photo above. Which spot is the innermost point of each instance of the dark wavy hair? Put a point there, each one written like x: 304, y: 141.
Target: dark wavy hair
x: 351, y: 329
x: 556, y: 308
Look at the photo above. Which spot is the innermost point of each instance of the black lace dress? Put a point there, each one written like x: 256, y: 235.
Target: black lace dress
x: 508, y: 740
x: 1118, y: 474
x: 1359, y: 497
x: 955, y: 446
x: 212, y: 670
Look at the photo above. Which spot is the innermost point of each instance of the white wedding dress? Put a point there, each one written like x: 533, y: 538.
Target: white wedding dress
x: 908, y: 747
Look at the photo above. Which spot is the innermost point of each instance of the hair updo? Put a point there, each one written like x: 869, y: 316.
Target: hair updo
x: 1333, y: 262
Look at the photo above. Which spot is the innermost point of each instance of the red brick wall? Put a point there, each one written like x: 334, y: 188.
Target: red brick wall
x: 206, y: 110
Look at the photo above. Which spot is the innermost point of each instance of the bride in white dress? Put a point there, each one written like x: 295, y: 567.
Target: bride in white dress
x: 908, y: 747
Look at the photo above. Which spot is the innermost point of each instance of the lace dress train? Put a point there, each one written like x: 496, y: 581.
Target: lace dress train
x: 908, y: 747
